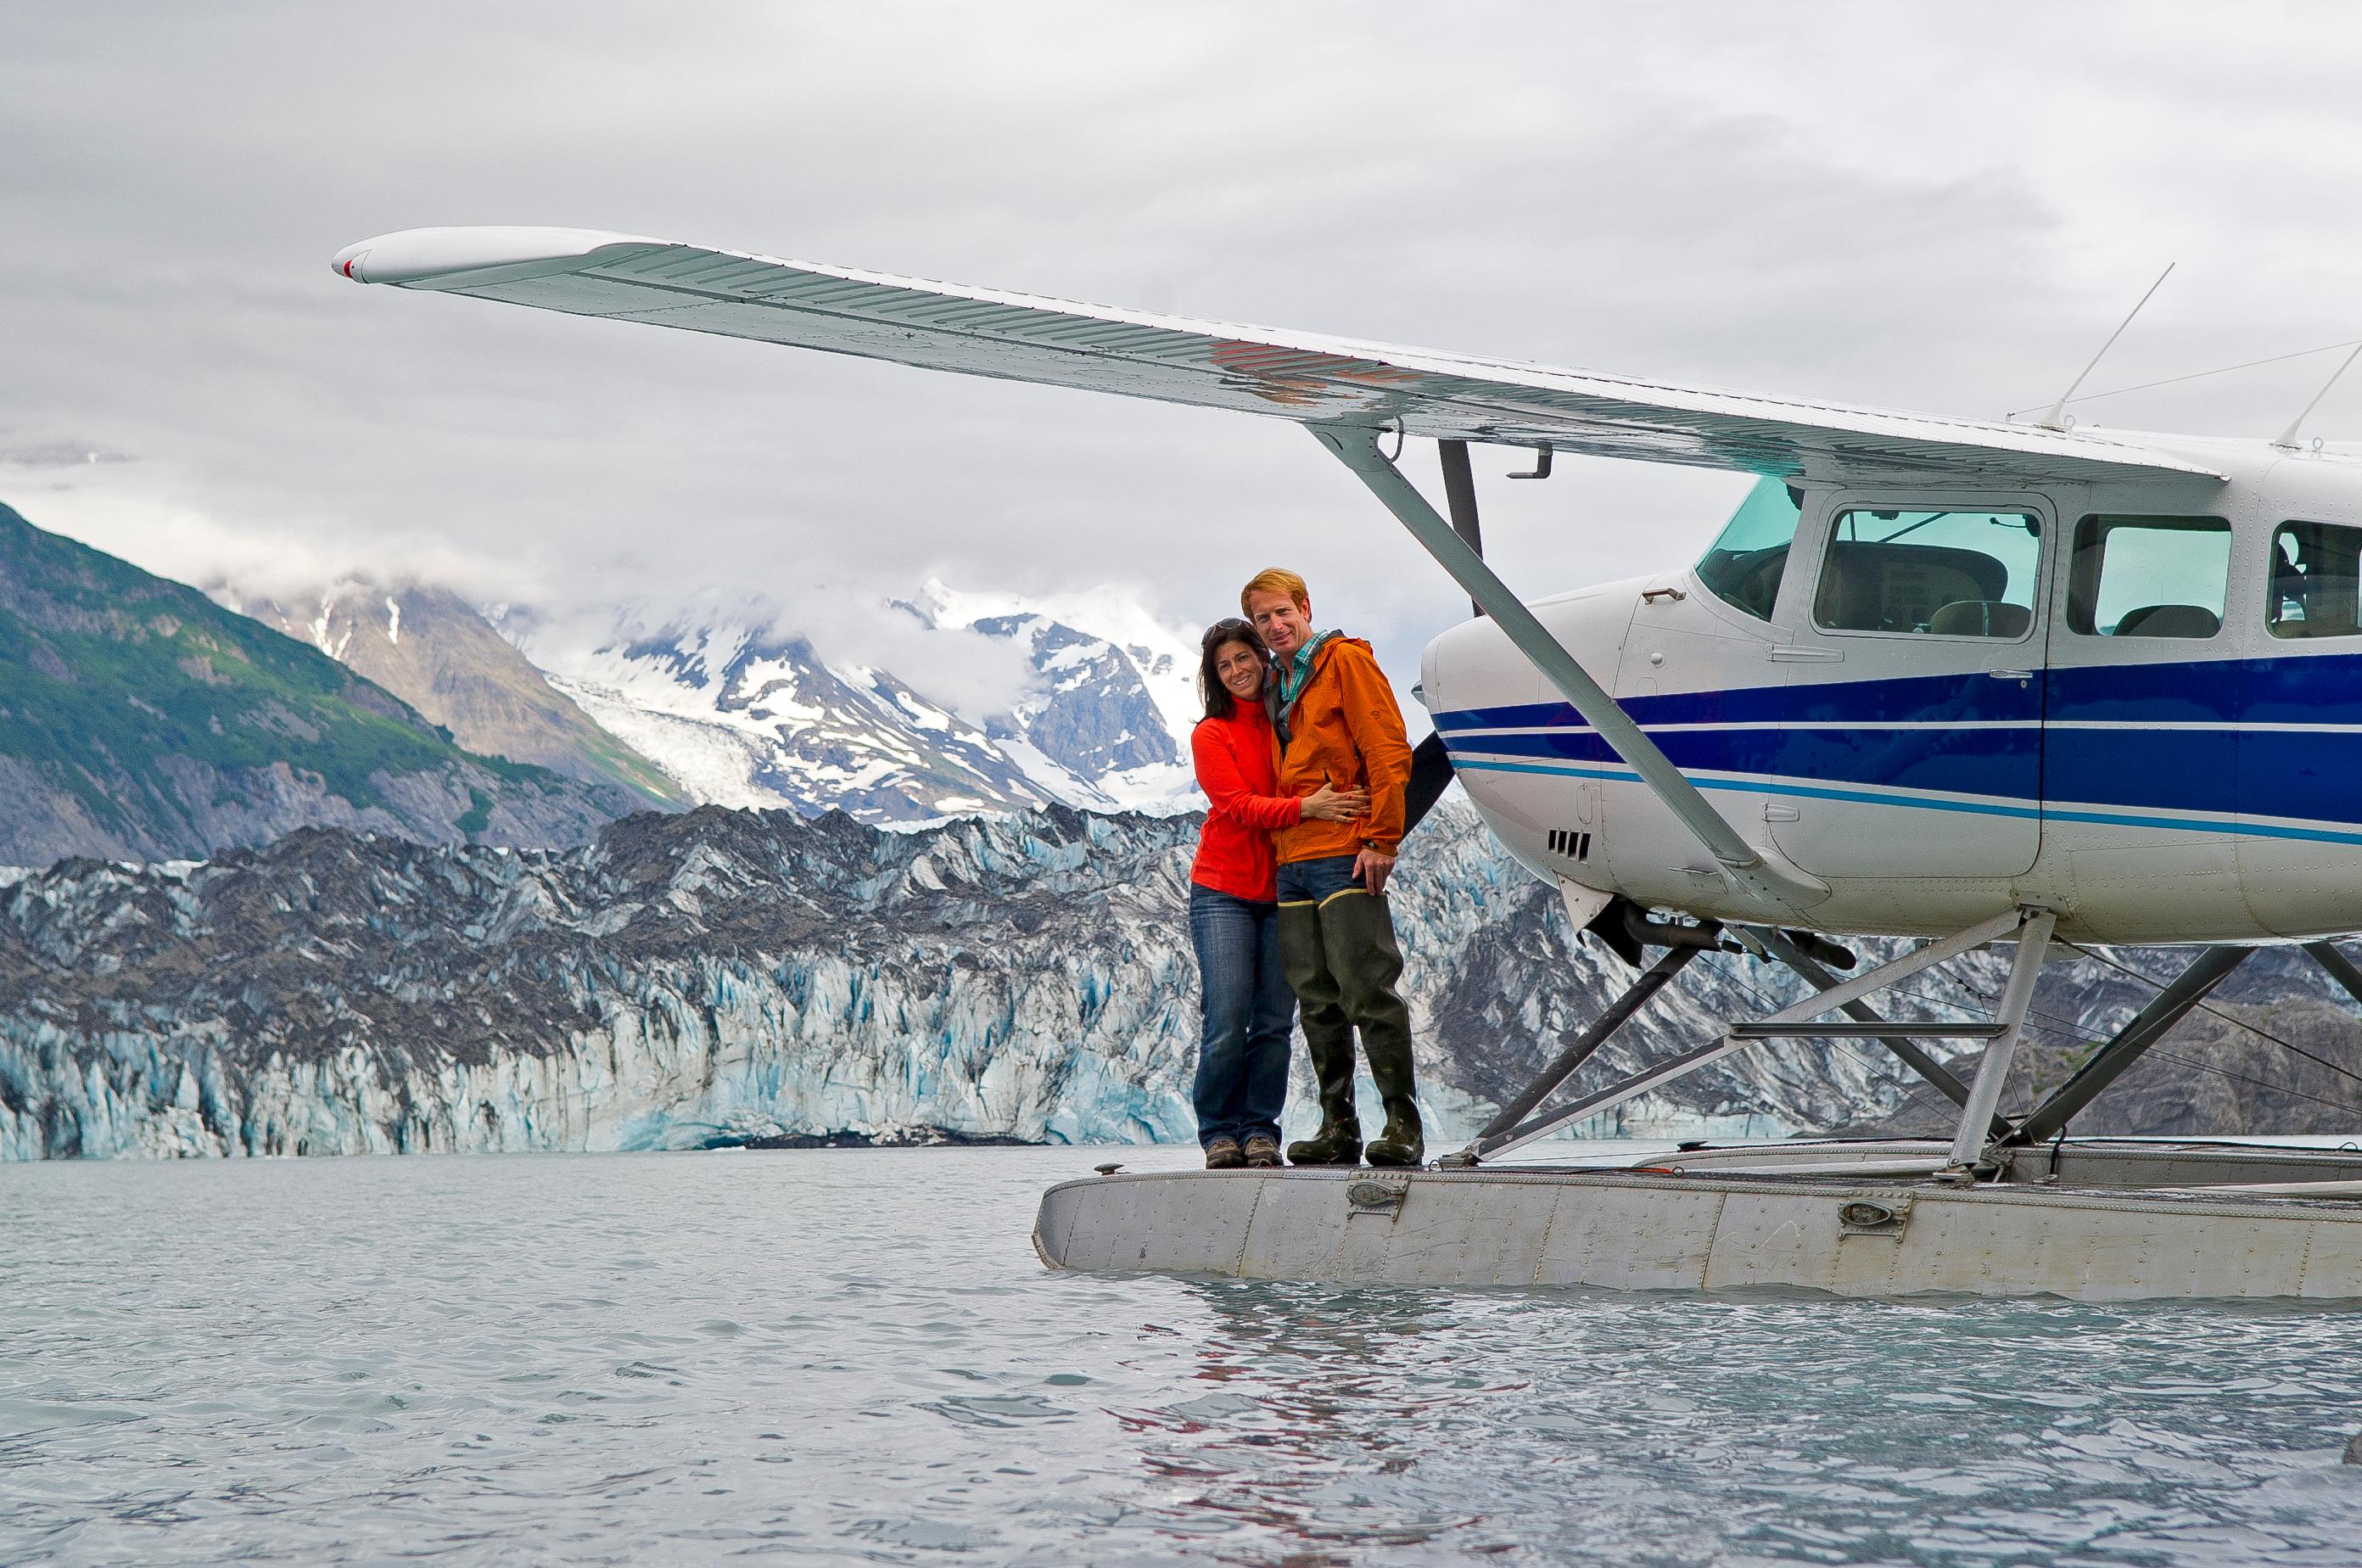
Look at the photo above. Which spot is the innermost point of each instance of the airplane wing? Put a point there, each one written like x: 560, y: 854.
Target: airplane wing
x: 1208, y: 364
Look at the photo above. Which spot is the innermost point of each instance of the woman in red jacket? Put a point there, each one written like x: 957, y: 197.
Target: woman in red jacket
x: 1233, y: 903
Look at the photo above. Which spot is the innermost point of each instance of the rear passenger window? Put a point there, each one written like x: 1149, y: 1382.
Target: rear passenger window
x: 1943, y: 574
x: 2149, y: 577
x: 2314, y: 588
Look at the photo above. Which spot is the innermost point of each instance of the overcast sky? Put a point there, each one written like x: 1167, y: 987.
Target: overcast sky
x: 1922, y: 206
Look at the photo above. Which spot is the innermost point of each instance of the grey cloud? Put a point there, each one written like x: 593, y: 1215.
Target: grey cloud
x: 1928, y: 206
x: 975, y: 675
x: 61, y: 454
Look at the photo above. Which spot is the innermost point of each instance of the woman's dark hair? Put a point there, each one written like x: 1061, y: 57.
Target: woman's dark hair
x: 1219, y: 703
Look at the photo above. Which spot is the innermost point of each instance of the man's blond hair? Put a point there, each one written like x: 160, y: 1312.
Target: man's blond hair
x: 1276, y: 579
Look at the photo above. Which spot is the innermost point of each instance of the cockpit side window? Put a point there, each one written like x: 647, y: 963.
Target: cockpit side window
x: 1743, y: 567
x: 2149, y: 577
x: 2316, y: 581
x: 1950, y: 573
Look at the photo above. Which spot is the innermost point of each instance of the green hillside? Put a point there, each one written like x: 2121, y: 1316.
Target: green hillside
x: 139, y: 719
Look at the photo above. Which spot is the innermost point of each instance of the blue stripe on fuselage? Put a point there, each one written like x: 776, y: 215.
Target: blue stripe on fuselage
x: 1925, y: 803
x: 1961, y: 699
x: 1967, y: 762
x: 2225, y: 773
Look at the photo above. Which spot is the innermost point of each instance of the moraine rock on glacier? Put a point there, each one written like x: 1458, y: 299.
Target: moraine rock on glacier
x: 737, y: 976
x: 719, y: 976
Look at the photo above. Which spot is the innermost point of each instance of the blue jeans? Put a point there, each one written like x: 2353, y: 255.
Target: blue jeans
x: 1248, y: 1014
x: 1317, y: 881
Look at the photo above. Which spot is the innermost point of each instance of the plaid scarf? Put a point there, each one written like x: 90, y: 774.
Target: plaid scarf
x: 1294, y: 672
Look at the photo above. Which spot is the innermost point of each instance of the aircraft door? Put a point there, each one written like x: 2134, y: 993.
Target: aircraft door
x: 2144, y: 698
x: 1913, y: 735
x: 2300, y: 789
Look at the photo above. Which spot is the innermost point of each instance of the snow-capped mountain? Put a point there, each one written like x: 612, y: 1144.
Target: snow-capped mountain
x: 742, y: 715
x: 743, y: 709
x: 1116, y: 700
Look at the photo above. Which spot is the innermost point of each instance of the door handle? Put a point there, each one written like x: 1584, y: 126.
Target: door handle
x: 2011, y: 674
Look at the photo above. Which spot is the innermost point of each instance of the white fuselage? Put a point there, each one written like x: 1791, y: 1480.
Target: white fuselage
x: 2164, y: 784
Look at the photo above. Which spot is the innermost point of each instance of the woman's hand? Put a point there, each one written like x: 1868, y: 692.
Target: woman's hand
x: 1330, y: 805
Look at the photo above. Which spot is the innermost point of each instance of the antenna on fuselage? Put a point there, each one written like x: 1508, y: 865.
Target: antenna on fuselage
x: 2056, y: 418
x: 2288, y: 436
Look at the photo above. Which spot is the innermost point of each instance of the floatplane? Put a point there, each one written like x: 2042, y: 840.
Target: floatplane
x: 1953, y: 682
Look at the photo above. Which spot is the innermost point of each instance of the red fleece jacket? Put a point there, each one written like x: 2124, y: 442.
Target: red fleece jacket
x: 1235, y: 759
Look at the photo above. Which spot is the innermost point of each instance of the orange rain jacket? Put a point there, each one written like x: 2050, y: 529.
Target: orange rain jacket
x: 1344, y: 729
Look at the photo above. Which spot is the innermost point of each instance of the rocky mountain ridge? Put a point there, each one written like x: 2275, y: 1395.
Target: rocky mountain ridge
x: 433, y: 649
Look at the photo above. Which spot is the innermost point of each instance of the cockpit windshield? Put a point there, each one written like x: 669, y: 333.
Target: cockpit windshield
x: 1743, y: 567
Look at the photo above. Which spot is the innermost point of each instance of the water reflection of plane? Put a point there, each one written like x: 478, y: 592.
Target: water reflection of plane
x: 1296, y: 1401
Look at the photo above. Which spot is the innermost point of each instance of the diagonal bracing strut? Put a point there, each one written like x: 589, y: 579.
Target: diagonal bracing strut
x: 1925, y: 957
x: 1785, y: 948
x: 1497, y: 1131
x: 2149, y: 1025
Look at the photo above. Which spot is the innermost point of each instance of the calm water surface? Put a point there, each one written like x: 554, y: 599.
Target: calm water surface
x: 855, y: 1356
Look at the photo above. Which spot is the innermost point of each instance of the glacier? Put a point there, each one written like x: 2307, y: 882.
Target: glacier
x: 729, y: 978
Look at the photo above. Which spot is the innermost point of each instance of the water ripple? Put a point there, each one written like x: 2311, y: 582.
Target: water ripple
x: 853, y: 1355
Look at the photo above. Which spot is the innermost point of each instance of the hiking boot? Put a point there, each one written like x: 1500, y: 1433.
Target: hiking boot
x: 1223, y: 1154
x: 1400, y: 1144
x: 1337, y: 1143
x: 1263, y: 1152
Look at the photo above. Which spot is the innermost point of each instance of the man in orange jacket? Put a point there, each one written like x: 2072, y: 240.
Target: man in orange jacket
x: 1335, y: 721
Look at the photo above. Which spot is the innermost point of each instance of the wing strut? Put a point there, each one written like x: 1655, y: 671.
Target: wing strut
x: 1430, y: 760
x: 1357, y: 447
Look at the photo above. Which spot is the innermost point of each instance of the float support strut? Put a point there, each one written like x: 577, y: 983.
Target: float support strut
x: 1357, y: 448
x: 2149, y: 1025
x: 1984, y: 1095
x: 1922, y: 957
x: 2340, y: 967
x: 1578, y: 1051
x: 1785, y: 950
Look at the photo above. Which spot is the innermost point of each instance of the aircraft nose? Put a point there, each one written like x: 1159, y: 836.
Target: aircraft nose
x: 349, y: 261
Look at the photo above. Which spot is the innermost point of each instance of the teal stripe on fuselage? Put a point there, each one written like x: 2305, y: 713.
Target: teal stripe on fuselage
x: 1923, y: 804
